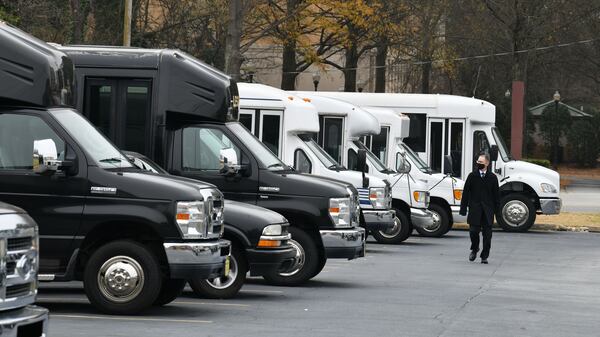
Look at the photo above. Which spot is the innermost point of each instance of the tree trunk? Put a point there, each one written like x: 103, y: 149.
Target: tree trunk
x: 233, y: 56
x: 77, y: 16
x: 380, y: 64
x: 288, y: 76
x: 350, y: 66
x: 425, y: 74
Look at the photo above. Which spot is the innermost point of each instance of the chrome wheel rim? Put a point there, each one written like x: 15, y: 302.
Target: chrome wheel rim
x: 515, y: 213
x: 121, y: 279
x: 437, y: 222
x: 390, y: 233
x: 224, y: 282
x: 299, y: 259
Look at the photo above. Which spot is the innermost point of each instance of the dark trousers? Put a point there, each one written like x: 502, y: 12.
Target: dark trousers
x: 486, y: 229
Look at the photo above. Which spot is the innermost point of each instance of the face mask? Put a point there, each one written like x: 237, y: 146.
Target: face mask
x: 480, y: 166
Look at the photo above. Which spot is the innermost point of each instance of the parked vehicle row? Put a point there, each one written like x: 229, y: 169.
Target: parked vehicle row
x: 146, y: 170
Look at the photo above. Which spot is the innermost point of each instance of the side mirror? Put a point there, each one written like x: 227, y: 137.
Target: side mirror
x: 229, y: 162
x: 45, y: 157
x: 494, y: 152
x: 361, y: 160
x: 402, y: 165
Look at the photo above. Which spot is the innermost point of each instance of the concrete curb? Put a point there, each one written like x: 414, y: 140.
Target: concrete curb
x: 544, y: 227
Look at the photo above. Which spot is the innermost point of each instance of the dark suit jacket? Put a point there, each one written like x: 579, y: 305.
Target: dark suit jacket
x: 481, y: 195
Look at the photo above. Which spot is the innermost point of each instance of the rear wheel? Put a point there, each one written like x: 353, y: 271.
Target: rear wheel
x: 170, y: 290
x: 396, y: 234
x: 441, y: 222
x: 224, y: 286
x: 517, y: 213
x: 122, y: 277
x: 306, y: 263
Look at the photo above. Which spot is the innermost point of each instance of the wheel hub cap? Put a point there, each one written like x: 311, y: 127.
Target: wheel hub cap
x: 515, y: 213
x: 121, y: 279
x: 437, y: 221
x: 393, y: 231
x: 226, y: 281
x: 299, y: 259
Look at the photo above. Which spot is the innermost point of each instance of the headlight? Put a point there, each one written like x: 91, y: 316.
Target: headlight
x: 421, y: 197
x: 548, y: 188
x: 341, y: 211
x: 273, y: 236
x: 458, y: 194
x: 191, y: 218
x: 378, y: 197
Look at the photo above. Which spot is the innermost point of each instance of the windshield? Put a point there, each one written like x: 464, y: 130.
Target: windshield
x: 379, y: 166
x: 323, y: 156
x: 416, y: 159
x: 147, y: 165
x: 260, y: 151
x: 101, y: 150
x: 501, y: 145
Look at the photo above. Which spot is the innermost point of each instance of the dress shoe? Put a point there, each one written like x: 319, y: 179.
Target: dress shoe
x: 473, y: 255
x: 484, y: 261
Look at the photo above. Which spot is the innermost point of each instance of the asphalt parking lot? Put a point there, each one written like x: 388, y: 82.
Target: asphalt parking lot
x: 537, y: 284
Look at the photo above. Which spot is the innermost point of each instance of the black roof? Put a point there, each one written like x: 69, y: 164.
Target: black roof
x: 33, y: 73
x: 188, y: 87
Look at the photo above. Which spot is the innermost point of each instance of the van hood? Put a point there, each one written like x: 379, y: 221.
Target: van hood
x: 146, y: 185
x: 439, y: 180
x: 301, y: 184
x: 518, y: 170
x: 354, y: 178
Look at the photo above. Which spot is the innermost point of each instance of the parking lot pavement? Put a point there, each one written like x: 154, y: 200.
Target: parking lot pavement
x: 537, y: 284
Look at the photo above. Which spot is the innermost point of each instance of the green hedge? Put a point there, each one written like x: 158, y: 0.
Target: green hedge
x: 541, y: 162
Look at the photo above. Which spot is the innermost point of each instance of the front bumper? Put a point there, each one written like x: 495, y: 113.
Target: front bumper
x: 550, y: 206
x: 262, y: 261
x: 456, y: 217
x: 344, y: 243
x: 28, y: 321
x: 379, y: 219
x: 421, y: 218
x: 197, y: 259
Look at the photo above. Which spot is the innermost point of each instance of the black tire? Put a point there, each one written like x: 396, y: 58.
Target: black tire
x: 443, y: 222
x: 400, y: 232
x: 227, y: 287
x: 170, y: 290
x: 322, y: 262
x: 509, y: 206
x: 309, y: 266
x: 122, y: 257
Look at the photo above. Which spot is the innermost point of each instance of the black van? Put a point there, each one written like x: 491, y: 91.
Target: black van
x: 133, y: 238
x: 183, y: 114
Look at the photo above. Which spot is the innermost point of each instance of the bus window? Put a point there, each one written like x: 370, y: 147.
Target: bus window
x: 480, y: 144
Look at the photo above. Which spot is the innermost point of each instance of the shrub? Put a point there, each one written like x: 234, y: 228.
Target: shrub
x: 541, y: 162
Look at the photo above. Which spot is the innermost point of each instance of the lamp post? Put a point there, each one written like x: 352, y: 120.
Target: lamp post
x: 556, y: 141
x: 316, y: 78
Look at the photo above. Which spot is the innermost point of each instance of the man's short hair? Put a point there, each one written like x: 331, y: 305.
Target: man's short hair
x: 485, y: 155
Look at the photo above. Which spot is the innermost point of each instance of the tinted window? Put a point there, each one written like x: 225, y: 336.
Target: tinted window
x: 271, y: 131
x: 480, y: 144
x: 137, y: 110
x: 456, y: 147
x: 435, y: 147
x: 379, y: 145
x: 301, y: 162
x: 352, y: 160
x: 418, y: 130
x: 203, y: 148
x: 17, y: 134
x: 100, y: 106
x: 332, y: 137
x: 246, y: 120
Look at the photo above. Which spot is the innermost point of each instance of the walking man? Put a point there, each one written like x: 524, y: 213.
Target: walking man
x: 482, y: 196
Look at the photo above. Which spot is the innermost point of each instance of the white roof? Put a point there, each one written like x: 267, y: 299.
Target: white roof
x: 435, y: 105
x: 298, y: 115
x: 359, y: 121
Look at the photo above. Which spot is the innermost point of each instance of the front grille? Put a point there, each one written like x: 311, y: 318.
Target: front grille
x: 10, y: 267
x: 363, y: 197
x: 19, y: 243
x: 215, y: 208
x: 18, y: 290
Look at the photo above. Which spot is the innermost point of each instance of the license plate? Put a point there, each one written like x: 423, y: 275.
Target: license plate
x: 226, y: 273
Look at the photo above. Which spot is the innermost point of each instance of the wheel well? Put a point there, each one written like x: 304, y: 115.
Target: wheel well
x: 442, y: 202
x: 237, y: 242
x: 520, y: 188
x: 112, y: 231
x: 402, y: 206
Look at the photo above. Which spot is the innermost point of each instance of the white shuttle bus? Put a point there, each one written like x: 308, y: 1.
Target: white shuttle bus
x: 410, y: 196
x: 449, y: 132
x: 446, y: 190
x: 284, y: 123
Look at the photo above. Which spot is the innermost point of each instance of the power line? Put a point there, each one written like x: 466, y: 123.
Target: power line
x: 466, y: 58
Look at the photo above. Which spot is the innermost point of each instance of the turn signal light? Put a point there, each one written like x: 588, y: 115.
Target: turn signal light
x: 269, y: 243
x: 334, y: 210
x: 458, y: 194
x: 183, y: 216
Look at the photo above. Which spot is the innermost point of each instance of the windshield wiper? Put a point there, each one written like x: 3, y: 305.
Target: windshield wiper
x: 111, y: 160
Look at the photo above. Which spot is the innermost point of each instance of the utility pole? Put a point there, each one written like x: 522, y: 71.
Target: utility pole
x: 233, y: 56
x: 127, y: 23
